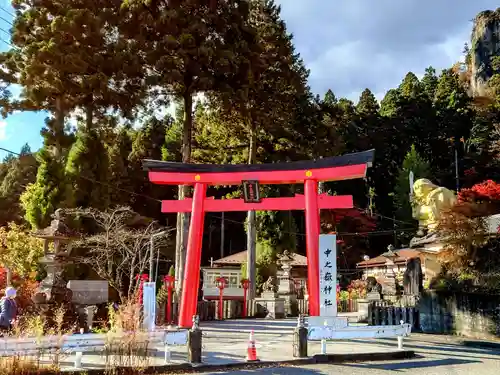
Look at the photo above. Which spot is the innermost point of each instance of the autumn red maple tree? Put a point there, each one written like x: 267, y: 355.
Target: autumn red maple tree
x: 486, y: 191
x: 465, y: 228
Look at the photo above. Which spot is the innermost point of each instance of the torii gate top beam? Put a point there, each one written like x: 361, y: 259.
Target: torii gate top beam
x: 345, y: 167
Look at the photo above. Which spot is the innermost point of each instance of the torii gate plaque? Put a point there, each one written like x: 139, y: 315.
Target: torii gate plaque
x: 309, y: 173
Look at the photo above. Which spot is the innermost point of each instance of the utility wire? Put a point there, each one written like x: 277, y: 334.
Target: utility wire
x: 8, y: 43
x: 5, y: 31
x: 6, y: 20
x: 370, y: 233
x: 98, y: 182
x: 385, y: 217
x: 6, y: 11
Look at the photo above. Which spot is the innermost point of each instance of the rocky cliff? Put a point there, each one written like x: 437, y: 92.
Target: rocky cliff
x: 485, y: 43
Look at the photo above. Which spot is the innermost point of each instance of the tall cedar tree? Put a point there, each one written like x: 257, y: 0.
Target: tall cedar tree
x: 15, y: 174
x: 147, y: 143
x: 87, y: 171
x: 184, y: 43
x: 71, y: 55
x: 420, y: 167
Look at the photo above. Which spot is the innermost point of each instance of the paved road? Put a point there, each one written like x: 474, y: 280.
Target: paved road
x: 437, y: 355
x: 226, y: 342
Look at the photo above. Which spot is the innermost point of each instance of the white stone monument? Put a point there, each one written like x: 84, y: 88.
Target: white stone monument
x: 328, y: 326
x: 149, y: 305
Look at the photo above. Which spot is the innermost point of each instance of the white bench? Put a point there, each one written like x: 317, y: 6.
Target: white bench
x: 338, y: 328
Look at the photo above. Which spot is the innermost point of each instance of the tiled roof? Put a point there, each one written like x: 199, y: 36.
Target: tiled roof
x: 241, y: 257
x: 403, y: 256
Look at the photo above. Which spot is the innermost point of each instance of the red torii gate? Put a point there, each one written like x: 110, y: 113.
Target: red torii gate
x: 343, y: 167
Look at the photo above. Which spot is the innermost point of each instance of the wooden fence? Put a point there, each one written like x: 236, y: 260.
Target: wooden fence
x: 209, y: 310
x: 464, y: 314
x: 382, y: 314
x: 232, y: 309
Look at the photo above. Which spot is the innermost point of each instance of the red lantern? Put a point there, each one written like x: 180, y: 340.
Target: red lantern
x: 245, y: 284
x: 169, y: 285
x: 143, y: 278
x: 221, y: 284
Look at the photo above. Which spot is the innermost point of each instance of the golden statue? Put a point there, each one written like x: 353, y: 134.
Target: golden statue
x: 429, y: 202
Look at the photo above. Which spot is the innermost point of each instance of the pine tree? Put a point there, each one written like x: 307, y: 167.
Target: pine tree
x: 410, y: 87
x: 330, y: 98
x: 119, y: 146
x: 271, y: 79
x: 19, y: 172
x: 49, y: 191
x: 367, y: 103
x: 66, y: 56
x: 429, y: 82
x: 454, y: 121
x: 87, y: 171
x: 420, y: 167
x: 148, y: 143
x: 42, y: 198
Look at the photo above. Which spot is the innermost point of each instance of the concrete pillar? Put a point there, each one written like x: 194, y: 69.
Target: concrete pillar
x: 300, y: 339
x: 194, y: 342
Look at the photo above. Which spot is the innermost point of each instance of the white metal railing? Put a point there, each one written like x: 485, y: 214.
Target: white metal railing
x: 80, y: 343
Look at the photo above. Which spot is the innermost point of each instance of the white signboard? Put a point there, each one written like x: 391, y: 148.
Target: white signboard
x: 358, y: 332
x: 176, y: 337
x: 328, y: 275
x: 332, y: 322
x: 149, y: 304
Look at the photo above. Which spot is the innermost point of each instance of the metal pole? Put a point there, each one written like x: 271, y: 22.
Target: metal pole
x: 222, y: 236
x: 456, y: 170
x: 152, y: 256
x: 251, y: 253
x: 157, y: 262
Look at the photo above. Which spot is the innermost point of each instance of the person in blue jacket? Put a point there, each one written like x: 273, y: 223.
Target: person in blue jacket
x: 8, y: 309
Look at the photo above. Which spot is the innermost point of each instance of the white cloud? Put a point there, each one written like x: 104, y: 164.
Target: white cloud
x: 350, y: 45
x: 3, y: 131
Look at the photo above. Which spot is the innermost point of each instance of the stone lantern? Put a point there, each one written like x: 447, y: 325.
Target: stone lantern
x: 52, y: 291
x: 286, y: 286
x: 390, y: 276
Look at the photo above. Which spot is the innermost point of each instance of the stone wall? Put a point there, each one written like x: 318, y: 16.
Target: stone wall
x: 464, y: 314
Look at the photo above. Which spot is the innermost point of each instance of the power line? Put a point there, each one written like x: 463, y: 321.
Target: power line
x: 385, y: 217
x: 6, y: 11
x: 369, y: 233
x: 5, y: 31
x: 380, y: 232
x: 8, y: 43
x: 98, y: 182
x: 6, y: 20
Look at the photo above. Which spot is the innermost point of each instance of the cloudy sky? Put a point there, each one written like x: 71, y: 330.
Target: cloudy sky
x: 348, y: 45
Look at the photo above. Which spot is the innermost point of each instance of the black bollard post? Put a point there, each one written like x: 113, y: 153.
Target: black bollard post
x: 194, y: 342
x: 300, y: 339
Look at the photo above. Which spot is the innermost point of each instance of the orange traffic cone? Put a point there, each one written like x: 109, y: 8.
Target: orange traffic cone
x: 252, y: 350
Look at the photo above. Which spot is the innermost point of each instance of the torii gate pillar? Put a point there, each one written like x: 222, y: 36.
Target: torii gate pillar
x: 312, y: 243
